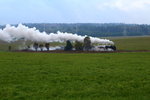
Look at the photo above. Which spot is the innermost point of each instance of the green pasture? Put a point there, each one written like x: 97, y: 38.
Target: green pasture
x: 132, y: 43
x: 54, y: 76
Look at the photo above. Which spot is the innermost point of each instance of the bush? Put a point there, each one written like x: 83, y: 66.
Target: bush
x: 78, y: 46
x: 68, y: 46
x: 87, y: 44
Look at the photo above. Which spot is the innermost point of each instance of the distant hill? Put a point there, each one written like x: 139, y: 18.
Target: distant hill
x: 94, y: 29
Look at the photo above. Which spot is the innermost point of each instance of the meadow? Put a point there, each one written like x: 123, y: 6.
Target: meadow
x: 55, y: 76
x: 132, y: 43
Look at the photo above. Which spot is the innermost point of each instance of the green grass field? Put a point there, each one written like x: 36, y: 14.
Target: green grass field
x: 47, y: 76
x: 132, y: 43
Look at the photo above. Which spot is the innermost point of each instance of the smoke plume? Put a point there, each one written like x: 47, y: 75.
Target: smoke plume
x: 12, y: 33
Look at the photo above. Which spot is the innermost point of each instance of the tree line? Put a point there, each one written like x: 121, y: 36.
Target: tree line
x: 79, y: 46
x: 94, y: 29
x: 86, y: 45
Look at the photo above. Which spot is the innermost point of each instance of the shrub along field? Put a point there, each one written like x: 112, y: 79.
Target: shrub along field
x: 50, y: 76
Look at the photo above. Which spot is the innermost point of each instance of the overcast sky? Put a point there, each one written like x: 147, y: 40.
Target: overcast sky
x: 74, y: 11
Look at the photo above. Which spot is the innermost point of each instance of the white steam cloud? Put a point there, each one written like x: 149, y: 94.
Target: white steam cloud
x: 12, y: 33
